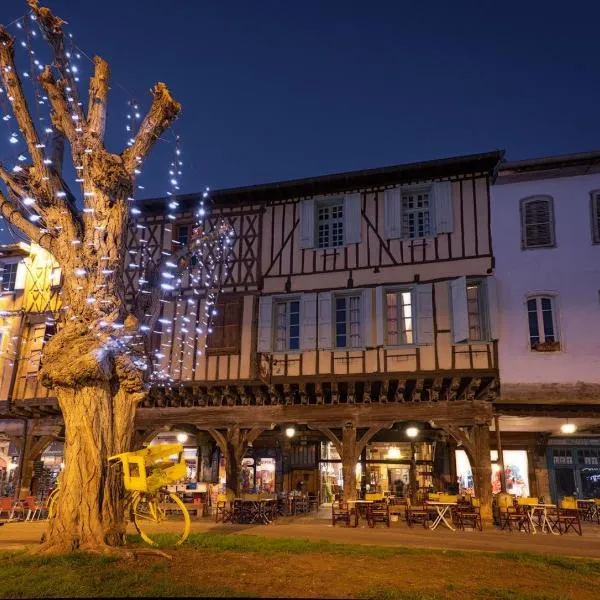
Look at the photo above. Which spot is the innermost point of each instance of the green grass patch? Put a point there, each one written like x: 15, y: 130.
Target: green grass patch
x: 378, y: 593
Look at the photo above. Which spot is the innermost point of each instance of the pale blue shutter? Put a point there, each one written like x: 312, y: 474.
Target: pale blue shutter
x: 308, y: 322
x: 325, y: 326
x: 380, y: 314
x: 265, y: 319
x: 307, y: 223
x: 392, y: 222
x: 352, y: 219
x: 424, y: 309
x: 367, y: 318
x: 460, y: 315
x: 442, y: 207
x: 493, y: 313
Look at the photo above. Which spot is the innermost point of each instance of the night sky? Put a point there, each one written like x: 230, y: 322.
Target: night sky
x: 275, y: 90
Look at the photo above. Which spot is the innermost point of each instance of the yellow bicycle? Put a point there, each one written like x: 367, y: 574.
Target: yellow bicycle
x: 155, y: 511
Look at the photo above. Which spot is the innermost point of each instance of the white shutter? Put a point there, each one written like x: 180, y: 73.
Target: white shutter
x: 424, y: 311
x: 492, y: 298
x: 380, y: 314
x: 308, y: 322
x: 460, y: 315
x: 392, y: 214
x: 325, y: 328
x: 442, y: 208
x: 307, y: 223
x: 265, y: 319
x: 367, y: 318
x: 352, y: 219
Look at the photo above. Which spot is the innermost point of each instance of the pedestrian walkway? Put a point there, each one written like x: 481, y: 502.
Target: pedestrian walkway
x: 16, y: 536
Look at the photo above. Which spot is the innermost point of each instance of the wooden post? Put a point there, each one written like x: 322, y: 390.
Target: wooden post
x: 412, y: 473
x: 500, y: 454
x: 481, y: 465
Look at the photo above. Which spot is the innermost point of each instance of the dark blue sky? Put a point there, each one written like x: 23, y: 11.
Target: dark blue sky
x: 281, y: 89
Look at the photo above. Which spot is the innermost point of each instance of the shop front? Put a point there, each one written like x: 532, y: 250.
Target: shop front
x: 574, y: 467
x: 516, y: 472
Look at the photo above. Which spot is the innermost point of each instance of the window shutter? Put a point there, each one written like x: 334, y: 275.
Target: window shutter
x: 352, y: 219
x: 460, y: 316
x: 367, y: 318
x: 596, y: 217
x: 325, y: 328
x: 307, y: 223
x: 308, y: 322
x: 537, y: 223
x: 442, y: 211
x: 265, y: 318
x: 380, y: 314
x: 424, y: 310
x: 393, y: 214
x: 492, y: 298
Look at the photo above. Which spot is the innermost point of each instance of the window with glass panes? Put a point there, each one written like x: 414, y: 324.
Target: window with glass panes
x: 347, y: 322
x: 183, y: 234
x: 287, y: 325
x: 399, y: 307
x: 415, y: 214
x: 542, y: 323
x: 330, y: 224
x: 476, y: 311
x: 9, y: 276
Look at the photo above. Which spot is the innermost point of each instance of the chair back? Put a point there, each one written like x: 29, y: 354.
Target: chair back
x: 476, y: 502
x: 375, y: 497
x: 568, y: 502
x: 6, y: 503
x: 525, y: 501
x: 433, y: 497
x: 504, y: 501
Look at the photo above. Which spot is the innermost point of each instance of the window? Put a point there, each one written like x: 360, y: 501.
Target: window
x: 9, y: 276
x: 347, y: 322
x: 415, y: 214
x: 226, y: 327
x: 476, y: 311
x: 287, y: 325
x: 596, y: 217
x: 543, y: 336
x: 537, y: 222
x: 330, y: 224
x: 400, y: 315
x: 183, y: 234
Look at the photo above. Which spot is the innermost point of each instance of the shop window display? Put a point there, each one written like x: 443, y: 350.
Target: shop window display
x: 515, y: 472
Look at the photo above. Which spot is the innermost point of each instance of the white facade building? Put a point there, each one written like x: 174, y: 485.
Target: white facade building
x: 546, y: 241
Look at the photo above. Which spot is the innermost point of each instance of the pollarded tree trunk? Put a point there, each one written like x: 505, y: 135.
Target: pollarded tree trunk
x: 97, y: 394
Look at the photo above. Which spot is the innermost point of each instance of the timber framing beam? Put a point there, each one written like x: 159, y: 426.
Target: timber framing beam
x: 315, y: 416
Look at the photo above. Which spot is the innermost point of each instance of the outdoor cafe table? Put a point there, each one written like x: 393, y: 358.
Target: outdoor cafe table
x: 253, y: 511
x: 542, y: 510
x: 442, y: 509
x: 358, y: 505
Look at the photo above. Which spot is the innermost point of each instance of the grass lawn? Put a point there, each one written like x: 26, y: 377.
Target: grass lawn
x: 245, y: 565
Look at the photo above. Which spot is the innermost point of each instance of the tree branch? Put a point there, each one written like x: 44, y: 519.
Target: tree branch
x: 162, y: 113
x: 19, y: 102
x: 14, y: 216
x: 52, y: 28
x: 98, y: 94
x: 61, y: 118
x: 13, y: 185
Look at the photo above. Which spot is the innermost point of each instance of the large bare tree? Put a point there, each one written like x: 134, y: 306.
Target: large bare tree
x: 89, y: 364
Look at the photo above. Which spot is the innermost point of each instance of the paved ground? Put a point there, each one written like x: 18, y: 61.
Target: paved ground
x: 15, y: 536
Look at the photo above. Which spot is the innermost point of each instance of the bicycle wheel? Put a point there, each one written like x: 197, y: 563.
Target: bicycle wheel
x: 159, y: 516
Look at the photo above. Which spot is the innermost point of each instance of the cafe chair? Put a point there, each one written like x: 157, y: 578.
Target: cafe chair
x: 340, y: 511
x: 378, y: 512
x: 417, y: 514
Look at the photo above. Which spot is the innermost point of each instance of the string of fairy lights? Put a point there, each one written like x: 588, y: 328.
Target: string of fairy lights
x: 192, y: 270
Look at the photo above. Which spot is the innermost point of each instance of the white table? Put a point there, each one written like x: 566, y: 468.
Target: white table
x: 543, y: 510
x: 442, y: 509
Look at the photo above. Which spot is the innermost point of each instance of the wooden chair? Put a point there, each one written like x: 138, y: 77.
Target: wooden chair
x: 568, y: 518
x: 223, y: 513
x: 469, y: 515
x: 417, y: 514
x: 341, y: 512
x: 301, y: 506
x: 378, y: 512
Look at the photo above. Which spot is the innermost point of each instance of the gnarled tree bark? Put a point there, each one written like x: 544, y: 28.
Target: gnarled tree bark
x: 89, y: 363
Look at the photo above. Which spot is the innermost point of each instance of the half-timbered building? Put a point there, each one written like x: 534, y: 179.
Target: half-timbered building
x: 358, y: 309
